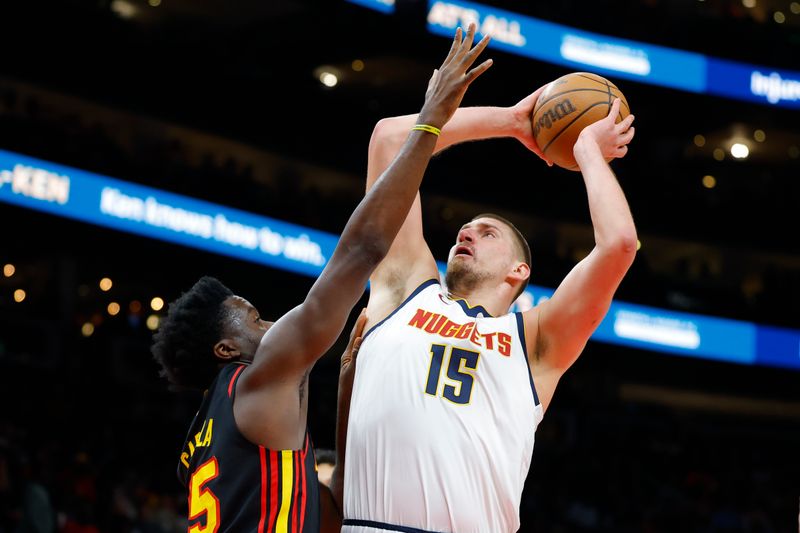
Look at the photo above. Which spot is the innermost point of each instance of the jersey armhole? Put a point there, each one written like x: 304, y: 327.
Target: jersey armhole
x: 521, y: 328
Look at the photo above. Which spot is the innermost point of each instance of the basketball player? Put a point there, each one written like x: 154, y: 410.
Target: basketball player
x: 248, y: 462
x: 450, y: 386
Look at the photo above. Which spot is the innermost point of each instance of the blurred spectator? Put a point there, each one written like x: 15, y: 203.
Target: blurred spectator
x: 326, y: 461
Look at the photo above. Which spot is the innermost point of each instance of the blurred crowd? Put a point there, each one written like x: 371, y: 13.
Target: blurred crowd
x: 48, y: 487
x: 596, y: 468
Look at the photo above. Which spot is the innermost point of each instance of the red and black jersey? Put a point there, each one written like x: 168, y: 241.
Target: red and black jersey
x: 235, y: 485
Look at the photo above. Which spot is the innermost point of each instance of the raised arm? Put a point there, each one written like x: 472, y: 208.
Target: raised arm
x: 410, y: 261
x: 294, y: 343
x: 558, y: 329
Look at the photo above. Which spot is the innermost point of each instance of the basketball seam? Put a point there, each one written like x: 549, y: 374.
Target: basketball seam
x: 541, y: 104
x: 565, y: 128
x: 609, y: 98
x: 611, y: 86
x: 597, y: 81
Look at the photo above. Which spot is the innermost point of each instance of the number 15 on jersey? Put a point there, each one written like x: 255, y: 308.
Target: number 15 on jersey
x: 461, y: 365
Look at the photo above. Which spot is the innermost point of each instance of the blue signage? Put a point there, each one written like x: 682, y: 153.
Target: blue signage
x: 123, y: 206
x: 620, y: 58
x: 384, y: 6
x: 570, y: 47
x: 679, y: 333
x: 753, y: 83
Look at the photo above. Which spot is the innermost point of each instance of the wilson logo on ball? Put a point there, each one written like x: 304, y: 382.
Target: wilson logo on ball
x: 565, y: 107
x: 553, y: 115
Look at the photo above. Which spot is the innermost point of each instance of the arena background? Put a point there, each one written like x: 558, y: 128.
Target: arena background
x: 223, y: 101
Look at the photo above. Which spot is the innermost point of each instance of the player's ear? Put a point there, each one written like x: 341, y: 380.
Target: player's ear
x: 227, y: 350
x: 521, y: 271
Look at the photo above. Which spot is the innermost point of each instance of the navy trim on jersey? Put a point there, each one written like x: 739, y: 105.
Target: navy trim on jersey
x: 381, y: 525
x: 472, y: 311
x: 521, y: 327
x: 419, y: 289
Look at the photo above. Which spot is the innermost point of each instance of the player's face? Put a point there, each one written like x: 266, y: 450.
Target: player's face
x: 245, y: 325
x: 481, y: 241
x: 483, y: 250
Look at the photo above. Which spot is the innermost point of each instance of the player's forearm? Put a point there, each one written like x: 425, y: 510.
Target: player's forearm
x: 364, y: 243
x: 345, y: 393
x: 467, y: 124
x: 378, y: 218
x: 330, y: 511
x: 612, y: 221
x: 337, y: 489
x: 342, y: 419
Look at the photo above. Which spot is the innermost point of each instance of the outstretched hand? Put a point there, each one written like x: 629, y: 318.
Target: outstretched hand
x: 450, y: 81
x: 610, y: 137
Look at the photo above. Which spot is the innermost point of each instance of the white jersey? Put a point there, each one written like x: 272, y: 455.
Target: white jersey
x: 442, y: 420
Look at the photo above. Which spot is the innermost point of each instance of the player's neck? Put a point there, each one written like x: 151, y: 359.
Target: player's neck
x: 493, y: 299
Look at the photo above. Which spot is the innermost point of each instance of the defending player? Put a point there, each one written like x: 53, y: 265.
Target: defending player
x: 248, y: 460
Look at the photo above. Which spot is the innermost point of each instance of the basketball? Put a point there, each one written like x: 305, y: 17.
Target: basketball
x: 566, y: 106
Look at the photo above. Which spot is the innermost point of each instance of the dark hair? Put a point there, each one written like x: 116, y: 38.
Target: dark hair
x: 325, y: 456
x: 521, y: 244
x: 184, y: 343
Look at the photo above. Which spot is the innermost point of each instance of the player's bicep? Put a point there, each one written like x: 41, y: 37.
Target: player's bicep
x: 298, y: 339
x: 579, y: 304
x: 409, y: 261
x: 284, y: 347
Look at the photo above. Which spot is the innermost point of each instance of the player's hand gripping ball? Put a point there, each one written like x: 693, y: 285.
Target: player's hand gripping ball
x: 566, y: 106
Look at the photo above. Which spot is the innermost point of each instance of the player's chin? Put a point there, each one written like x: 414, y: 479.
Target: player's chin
x: 459, y: 267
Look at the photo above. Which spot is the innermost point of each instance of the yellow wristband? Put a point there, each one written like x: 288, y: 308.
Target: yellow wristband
x: 430, y: 129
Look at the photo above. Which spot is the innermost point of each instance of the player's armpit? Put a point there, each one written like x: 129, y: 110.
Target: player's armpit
x: 386, y: 296
x: 407, y: 265
x: 408, y: 255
